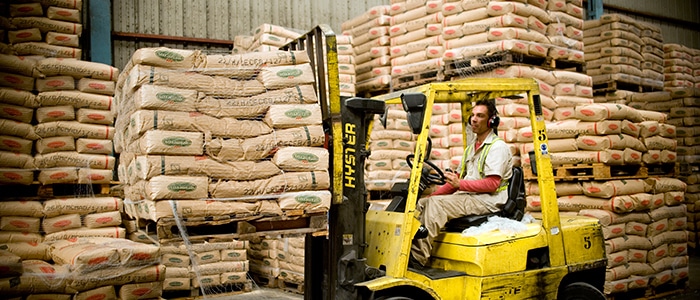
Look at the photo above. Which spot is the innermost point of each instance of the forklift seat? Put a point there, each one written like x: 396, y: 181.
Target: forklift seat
x: 514, y: 208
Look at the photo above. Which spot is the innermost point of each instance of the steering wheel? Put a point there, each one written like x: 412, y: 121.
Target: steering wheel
x: 428, y: 177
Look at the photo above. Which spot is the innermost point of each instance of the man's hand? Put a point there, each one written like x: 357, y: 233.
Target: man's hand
x: 453, y: 179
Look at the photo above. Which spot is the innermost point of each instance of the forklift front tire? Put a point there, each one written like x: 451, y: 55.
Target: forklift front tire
x: 581, y: 291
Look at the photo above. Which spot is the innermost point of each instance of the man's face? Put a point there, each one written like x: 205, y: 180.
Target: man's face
x: 480, y: 119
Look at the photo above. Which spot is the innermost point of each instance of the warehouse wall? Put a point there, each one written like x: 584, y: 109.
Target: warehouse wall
x: 222, y: 19
x: 679, y: 19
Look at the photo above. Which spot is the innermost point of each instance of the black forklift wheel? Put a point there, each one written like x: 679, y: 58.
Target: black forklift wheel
x: 581, y: 291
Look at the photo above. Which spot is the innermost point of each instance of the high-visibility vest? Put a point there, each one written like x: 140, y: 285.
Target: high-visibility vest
x: 482, y: 160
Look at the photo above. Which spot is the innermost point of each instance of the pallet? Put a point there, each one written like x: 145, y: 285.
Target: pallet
x: 615, y: 85
x: 196, y: 294
x: 374, y: 93
x: 411, y: 80
x: 242, y: 226
x: 56, y: 190
x: 290, y: 286
x: 687, y: 169
x: 664, y: 170
x: 484, y: 63
x: 265, y: 280
x: 595, y: 171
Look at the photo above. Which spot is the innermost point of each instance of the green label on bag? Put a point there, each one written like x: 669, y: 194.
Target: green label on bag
x: 177, y: 141
x: 311, y: 199
x: 182, y: 186
x: 298, y: 113
x: 286, y: 73
x: 170, y: 97
x: 169, y: 56
x: 305, y: 157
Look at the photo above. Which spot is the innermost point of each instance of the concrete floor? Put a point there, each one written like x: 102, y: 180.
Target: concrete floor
x: 693, y: 292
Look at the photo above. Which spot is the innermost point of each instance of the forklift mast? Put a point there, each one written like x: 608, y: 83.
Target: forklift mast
x: 334, y: 263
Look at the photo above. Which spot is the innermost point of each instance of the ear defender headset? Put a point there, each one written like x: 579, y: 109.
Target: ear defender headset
x: 494, y: 120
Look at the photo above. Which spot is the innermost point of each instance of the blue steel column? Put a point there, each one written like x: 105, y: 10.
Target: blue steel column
x: 595, y: 9
x: 100, y: 31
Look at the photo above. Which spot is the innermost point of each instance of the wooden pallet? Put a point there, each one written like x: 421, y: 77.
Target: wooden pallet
x: 411, y: 80
x: 265, y: 280
x: 290, y: 286
x: 595, y: 171
x: 664, y: 170
x: 687, y: 169
x: 228, y: 290
x: 242, y: 226
x: 614, y: 85
x: 55, y: 190
x: 374, y: 93
x: 483, y: 63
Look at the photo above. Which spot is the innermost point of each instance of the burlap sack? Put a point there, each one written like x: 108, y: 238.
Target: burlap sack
x: 72, y: 159
x: 150, y: 120
x: 216, y: 86
x: 46, y: 25
x: 16, y: 81
x: 636, y: 228
x: 168, y: 58
x: 15, y: 144
x: 19, y: 223
x: 19, y: 65
x: 96, y: 86
x: 287, y: 182
x: 63, y: 13
x: 16, y: 113
x: 39, y: 277
x: 105, y: 292
x: 19, y: 237
x: 21, y: 208
x: 55, y: 113
x: 660, y: 143
x: 95, y: 116
x: 298, y: 159
x: 55, y: 144
x: 150, y: 166
x: 308, y: 201
x: 579, y: 202
x: 44, y: 49
x: 608, y: 217
x: 11, y: 264
x: 16, y: 176
x: 613, y: 188
x: 18, y: 97
x: 263, y: 146
x: 94, y: 146
x: 62, y: 222
x: 286, y: 76
x: 94, y: 176
x: 168, y: 142
x: 255, y: 106
x: 234, y: 255
x: 145, y: 274
x: 16, y: 160
x: 111, y: 232
x: 97, y: 220
x: 155, y: 97
x: 618, y: 142
x: 174, y: 187
x: 24, y: 35
x: 58, y: 175
x: 76, y: 99
x: 81, y: 206
x: 63, y: 39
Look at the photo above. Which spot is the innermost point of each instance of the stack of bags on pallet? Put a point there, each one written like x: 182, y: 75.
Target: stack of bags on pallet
x: 616, y: 52
x: 346, y: 66
x: 213, y: 267
x: 537, y: 28
x: 73, y: 113
x: 371, y: 43
x: 678, y: 66
x: 278, y: 260
x: 45, y: 27
x: 644, y: 225
x: 224, y: 127
x: 78, y: 241
x: 266, y: 37
x: 653, y: 53
x: 416, y: 40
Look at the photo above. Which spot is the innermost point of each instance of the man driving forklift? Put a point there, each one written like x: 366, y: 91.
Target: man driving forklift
x: 480, y: 187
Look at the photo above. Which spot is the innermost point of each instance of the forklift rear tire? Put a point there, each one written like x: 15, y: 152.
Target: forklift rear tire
x: 581, y: 291
x: 395, y: 298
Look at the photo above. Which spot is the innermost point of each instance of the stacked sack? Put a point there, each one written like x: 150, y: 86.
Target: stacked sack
x: 214, y: 267
x: 653, y: 53
x: 644, y: 224
x: 536, y: 28
x: 613, y: 50
x: 678, y: 66
x: 371, y: 43
x: 416, y: 38
x: 266, y: 37
x: 46, y: 28
x: 278, y: 259
x: 346, y: 66
x: 227, y: 130
x: 390, y: 145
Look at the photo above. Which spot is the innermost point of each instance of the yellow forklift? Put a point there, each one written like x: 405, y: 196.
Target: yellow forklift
x: 366, y: 252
